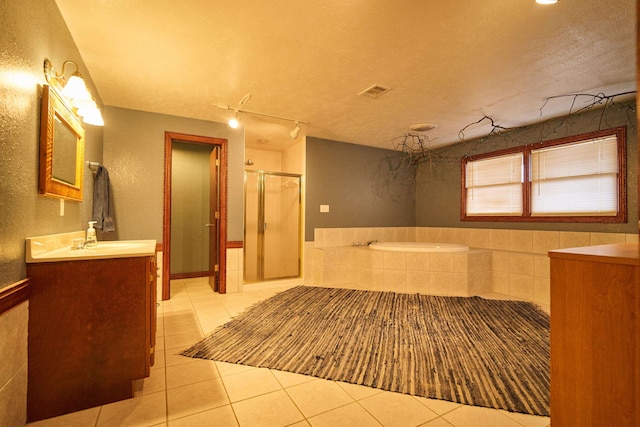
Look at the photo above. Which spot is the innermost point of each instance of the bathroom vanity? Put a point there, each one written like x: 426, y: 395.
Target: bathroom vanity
x: 595, y: 336
x: 92, y: 321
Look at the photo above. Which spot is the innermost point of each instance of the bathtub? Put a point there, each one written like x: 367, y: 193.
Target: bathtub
x: 418, y: 247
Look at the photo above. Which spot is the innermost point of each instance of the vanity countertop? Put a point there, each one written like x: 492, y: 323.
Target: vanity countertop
x: 59, y: 247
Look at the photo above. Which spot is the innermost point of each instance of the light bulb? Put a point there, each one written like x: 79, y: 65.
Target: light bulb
x: 93, y: 117
x: 76, y: 89
x: 234, y: 123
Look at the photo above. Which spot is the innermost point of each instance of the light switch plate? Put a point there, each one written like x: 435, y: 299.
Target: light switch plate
x: 324, y: 208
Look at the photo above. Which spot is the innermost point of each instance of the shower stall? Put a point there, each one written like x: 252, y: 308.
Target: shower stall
x: 272, y: 244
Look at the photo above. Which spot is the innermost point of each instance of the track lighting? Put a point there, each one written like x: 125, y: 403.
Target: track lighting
x: 75, y: 91
x: 235, y: 121
x: 295, y: 132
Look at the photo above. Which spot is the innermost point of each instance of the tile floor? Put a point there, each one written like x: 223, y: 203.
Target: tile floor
x: 190, y: 392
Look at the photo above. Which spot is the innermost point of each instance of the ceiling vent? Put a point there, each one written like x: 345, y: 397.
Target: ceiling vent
x: 374, y: 91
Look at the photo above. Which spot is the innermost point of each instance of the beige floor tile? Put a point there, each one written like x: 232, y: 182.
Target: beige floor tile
x: 272, y: 409
x: 438, y: 406
x: 358, y: 392
x: 474, y: 416
x: 173, y: 328
x: 395, y: 409
x: 159, y: 361
x: 194, y: 398
x: 317, y: 396
x: 86, y: 418
x: 248, y: 384
x: 183, y: 340
x: 152, y: 384
x: 352, y: 415
x: 226, y: 369
x: 173, y: 357
x: 195, y: 371
x: 182, y: 320
x: 438, y: 422
x: 219, y: 417
x: 209, y: 322
x: 289, y: 379
x: 528, y: 420
x: 146, y: 410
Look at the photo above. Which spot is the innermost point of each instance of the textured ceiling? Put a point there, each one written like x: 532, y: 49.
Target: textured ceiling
x: 447, y: 62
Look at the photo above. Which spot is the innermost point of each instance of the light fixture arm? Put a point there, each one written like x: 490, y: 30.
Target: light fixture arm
x: 50, y: 71
x: 246, y: 99
x: 255, y: 113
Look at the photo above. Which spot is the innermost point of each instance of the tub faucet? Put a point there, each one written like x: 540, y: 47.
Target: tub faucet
x: 370, y: 242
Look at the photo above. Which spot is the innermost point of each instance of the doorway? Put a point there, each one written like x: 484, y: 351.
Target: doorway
x: 272, y: 226
x: 195, y: 196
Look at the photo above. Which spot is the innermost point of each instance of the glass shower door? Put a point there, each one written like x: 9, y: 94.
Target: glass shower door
x: 272, y: 226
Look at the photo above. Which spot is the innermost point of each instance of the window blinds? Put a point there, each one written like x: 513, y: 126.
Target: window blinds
x: 575, y: 179
x: 494, y: 186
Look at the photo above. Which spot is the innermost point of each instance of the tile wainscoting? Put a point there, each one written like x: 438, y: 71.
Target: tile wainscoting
x: 518, y: 259
x: 14, y: 320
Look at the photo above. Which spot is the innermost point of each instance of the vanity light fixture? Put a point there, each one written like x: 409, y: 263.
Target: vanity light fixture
x: 235, y: 121
x: 75, y: 90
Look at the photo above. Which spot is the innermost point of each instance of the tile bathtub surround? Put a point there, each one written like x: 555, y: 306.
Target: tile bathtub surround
x: 520, y: 265
x: 453, y: 274
x: 188, y: 392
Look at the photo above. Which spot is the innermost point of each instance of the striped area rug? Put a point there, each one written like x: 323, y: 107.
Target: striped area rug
x: 473, y: 351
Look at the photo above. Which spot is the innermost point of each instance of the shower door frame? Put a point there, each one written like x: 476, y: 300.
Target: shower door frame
x: 261, y: 230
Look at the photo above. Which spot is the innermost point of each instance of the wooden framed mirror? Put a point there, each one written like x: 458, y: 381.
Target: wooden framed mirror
x: 61, y: 148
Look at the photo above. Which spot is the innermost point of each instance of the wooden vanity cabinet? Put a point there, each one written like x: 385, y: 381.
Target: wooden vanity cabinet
x: 92, y: 327
x: 595, y: 336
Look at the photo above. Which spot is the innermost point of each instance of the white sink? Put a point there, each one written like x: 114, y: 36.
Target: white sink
x: 58, y: 247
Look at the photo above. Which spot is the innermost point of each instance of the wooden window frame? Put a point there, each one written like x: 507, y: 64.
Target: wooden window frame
x: 621, y: 217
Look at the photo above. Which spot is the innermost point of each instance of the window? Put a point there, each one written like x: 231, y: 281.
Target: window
x: 576, y: 179
x: 494, y: 185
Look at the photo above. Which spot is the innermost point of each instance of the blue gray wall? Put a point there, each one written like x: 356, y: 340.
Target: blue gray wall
x: 134, y: 155
x: 32, y: 30
x: 358, y: 185
x: 438, y: 181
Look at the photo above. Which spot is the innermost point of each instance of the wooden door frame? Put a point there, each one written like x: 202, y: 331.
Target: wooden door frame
x: 169, y: 137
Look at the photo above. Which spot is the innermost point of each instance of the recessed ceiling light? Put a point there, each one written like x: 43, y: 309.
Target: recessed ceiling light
x: 546, y: 1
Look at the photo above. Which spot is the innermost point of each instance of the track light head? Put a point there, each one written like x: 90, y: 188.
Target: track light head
x: 295, y: 132
x: 234, y: 122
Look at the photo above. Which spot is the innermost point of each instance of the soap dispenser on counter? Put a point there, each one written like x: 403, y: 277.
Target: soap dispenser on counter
x: 92, y: 240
